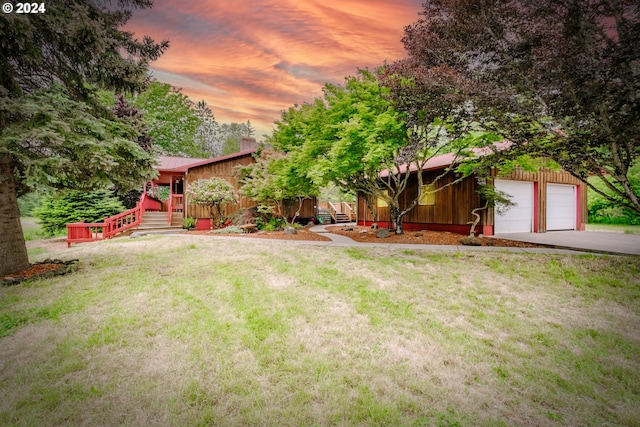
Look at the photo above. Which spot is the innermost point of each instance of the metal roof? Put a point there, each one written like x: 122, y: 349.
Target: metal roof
x: 182, y: 164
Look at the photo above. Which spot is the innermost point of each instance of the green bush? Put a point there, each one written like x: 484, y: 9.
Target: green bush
x: 602, y: 211
x: 272, y: 223
x: 75, y: 206
x: 189, y: 223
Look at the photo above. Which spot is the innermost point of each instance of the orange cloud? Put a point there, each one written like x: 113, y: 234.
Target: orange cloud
x: 251, y: 60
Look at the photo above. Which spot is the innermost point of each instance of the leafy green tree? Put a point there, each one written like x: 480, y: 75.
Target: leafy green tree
x: 28, y: 203
x: 54, y: 131
x: 357, y: 138
x: 216, y: 194
x: 69, y: 206
x: 276, y: 180
x: 172, y: 120
x: 602, y: 210
x: 557, y: 78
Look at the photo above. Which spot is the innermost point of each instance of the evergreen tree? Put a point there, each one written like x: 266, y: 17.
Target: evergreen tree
x: 207, y: 137
x: 54, y: 131
x: 65, y: 207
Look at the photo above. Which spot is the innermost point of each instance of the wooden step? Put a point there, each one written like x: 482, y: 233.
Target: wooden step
x: 341, y: 217
x: 159, y: 221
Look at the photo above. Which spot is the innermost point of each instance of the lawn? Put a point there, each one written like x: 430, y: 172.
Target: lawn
x: 31, y: 229
x: 615, y: 228
x: 197, y: 330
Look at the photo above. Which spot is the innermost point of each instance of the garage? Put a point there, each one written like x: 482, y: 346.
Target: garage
x: 519, y: 218
x: 561, y: 207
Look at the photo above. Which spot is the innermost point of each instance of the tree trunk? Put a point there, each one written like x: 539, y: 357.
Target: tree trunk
x: 13, y: 249
x: 371, y: 206
x: 395, y: 219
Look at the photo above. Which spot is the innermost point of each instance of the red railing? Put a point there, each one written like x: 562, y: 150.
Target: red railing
x: 79, y: 232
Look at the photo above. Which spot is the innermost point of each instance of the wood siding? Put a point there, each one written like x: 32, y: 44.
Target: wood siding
x: 454, y: 203
x: 224, y: 169
x: 307, y: 210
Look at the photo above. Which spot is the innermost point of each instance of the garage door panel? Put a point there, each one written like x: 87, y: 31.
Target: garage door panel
x: 518, y: 218
x: 561, y: 207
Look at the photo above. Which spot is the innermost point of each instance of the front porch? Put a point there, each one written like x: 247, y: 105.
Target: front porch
x: 161, y: 207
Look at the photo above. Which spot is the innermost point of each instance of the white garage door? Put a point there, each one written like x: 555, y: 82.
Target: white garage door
x: 561, y: 207
x: 519, y: 218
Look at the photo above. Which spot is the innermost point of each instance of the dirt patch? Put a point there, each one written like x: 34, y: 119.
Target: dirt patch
x: 49, y: 245
x: 367, y: 235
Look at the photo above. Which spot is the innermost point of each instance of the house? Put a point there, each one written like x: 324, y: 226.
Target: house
x: 546, y: 200
x: 190, y: 173
x: 178, y: 173
x: 165, y: 204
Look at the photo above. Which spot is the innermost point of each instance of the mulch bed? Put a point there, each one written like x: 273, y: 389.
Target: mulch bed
x: 367, y: 235
x: 303, y: 234
x: 44, y: 269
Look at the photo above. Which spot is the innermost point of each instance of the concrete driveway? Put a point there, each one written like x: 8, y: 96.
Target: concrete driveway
x: 598, y: 241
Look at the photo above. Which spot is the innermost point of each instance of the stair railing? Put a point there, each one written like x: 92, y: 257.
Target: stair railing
x: 333, y: 211
x: 79, y: 232
x: 346, y: 209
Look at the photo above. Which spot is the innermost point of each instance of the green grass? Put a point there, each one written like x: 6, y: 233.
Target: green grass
x: 31, y: 229
x: 197, y: 330
x: 616, y: 228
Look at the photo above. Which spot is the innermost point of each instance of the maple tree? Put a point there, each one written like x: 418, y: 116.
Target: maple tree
x: 557, y: 78
x: 357, y: 137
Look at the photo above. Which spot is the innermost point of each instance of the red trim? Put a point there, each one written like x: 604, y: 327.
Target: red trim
x: 579, y: 225
x: 487, y: 230
x: 536, y: 204
x: 416, y: 226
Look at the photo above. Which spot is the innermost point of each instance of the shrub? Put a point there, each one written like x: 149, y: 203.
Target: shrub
x: 216, y: 194
x: 189, y: 223
x: 75, y: 206
x: 231, y: 229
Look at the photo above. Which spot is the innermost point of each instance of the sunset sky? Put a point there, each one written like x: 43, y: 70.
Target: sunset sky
x: 249, y: 60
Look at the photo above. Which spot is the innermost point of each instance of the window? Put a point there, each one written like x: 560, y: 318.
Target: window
x: 381, y: 202
x: 428, y: 195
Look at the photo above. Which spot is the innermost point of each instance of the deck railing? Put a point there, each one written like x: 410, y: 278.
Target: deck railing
x: 79, y: 232
x: 341, y: 207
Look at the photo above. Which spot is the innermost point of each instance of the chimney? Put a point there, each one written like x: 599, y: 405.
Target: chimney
x: 248, y: 144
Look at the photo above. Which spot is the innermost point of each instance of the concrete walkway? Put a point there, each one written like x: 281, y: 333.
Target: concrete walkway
x: 338, y: 240
x: 335, y: 238
x: 591, y: 241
